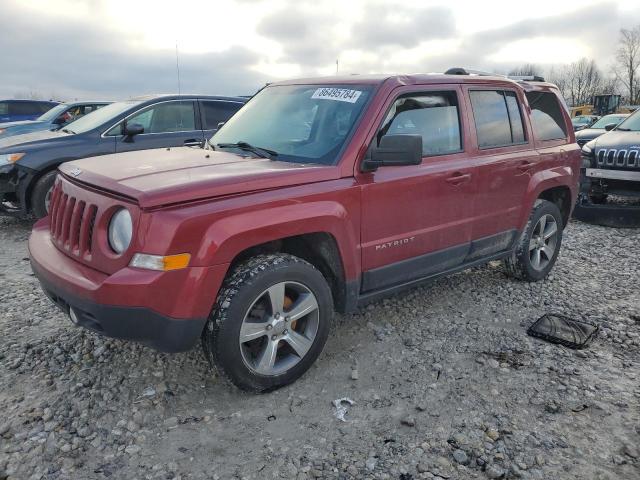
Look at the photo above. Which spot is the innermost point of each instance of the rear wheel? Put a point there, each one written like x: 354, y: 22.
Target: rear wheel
x: 539, y: 244
x: 41, y: 196
x: 270, y: 322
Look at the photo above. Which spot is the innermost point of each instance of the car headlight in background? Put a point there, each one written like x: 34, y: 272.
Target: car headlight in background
x: 120, y: 230
x: 8, y: 158
x: 586, y: 149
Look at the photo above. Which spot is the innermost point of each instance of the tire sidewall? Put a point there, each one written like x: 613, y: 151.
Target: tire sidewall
x: 544, y: 208
x: 226, y: 348
x: 42, y: 186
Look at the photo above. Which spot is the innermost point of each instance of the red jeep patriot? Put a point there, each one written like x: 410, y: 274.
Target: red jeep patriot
x: 318, y: 195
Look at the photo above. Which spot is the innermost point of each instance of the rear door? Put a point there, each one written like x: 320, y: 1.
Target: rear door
x: 172, y: 123
x: 214, y: 112
x: 506, y: 158
x: 416, y: 220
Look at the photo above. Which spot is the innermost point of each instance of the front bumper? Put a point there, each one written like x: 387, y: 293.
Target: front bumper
x: 164, y: 310
x: 13, y: 186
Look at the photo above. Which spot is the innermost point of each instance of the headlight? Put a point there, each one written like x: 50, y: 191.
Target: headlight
x: 586, y: 149
x: 120, y: 230
x: 10, y: 158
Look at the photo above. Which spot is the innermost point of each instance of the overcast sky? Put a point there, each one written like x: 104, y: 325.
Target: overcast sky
x: 113, y: 49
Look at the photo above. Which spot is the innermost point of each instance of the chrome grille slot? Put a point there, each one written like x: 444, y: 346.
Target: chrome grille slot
x: 601, y: 157
x: 72, y: 223
x: 620, y: 158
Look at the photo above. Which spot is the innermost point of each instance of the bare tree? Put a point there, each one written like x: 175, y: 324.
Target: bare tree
x: 526, y: 69
x: 578, y: 81
x: 628, y: 62
x: 28, y: 95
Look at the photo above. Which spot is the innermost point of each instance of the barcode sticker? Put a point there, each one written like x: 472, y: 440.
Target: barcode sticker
x: 338, y: 94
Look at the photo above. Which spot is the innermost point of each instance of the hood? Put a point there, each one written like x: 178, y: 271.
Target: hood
x: 33, y: 139
x: 169, y: 176
x: 619, y: 139
x: 587, y: 134
x: 21, y: 123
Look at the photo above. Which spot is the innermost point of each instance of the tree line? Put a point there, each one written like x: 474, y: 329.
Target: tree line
x: 581, y: 80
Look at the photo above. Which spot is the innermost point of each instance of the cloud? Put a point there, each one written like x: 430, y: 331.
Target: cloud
x: 384, y: 25
x: 70, y: 59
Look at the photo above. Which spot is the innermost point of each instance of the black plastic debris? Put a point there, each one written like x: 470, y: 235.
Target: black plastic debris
x: 556, y: 328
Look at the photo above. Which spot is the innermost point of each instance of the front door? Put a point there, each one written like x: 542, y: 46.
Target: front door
x: 416, y: 220
x: 172, y: 123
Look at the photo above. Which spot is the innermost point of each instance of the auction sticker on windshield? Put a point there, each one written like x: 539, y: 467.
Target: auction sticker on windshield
x: 339, y: 94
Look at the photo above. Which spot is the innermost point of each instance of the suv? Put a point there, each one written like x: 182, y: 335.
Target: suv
x: 612, y: 167
x: 28, y: 162
x: 319, y: 195
x: 17, y: 110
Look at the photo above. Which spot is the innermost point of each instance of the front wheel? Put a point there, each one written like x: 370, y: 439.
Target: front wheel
x: 539, y: 245
x: 270, y: 322
x: 41, y: 196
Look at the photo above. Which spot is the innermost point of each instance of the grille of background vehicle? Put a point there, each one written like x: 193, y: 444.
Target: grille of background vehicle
x: 618, y: 158
x: 72, y: 223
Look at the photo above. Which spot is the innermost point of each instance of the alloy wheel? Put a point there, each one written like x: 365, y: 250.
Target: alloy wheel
x: 279, y: 328
x: 543, y: 242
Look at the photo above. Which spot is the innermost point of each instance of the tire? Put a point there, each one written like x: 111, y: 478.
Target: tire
x: 525, y: 263
x: 41, y: 191
x: 245, y: 307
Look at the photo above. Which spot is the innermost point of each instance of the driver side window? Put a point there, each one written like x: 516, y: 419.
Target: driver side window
x: 434, y: 116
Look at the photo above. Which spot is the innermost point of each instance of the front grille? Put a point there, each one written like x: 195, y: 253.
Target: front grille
x: 72, y: 222
x: 618, y: 158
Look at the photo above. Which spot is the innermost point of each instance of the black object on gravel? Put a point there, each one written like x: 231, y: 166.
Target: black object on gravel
x: 563, y: 330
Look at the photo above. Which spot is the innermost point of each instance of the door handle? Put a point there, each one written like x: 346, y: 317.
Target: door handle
x: 192, y: 142
x: 525, y: 166
x: 458, y: 178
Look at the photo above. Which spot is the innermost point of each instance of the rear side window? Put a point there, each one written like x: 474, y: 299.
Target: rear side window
x: 4, y: 108
x: 24, y: 108
x: 216, y: 112
x: 433, y: 115
x: 44, y: 107
x: 497, y: 118
x: 546, y: 116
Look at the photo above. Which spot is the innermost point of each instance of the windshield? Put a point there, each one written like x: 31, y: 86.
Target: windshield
x: 52, y: 114
x: 609, y: 119
x: 301, y: 123
x: 632, y: 123
x: 580, y: 120
x: 99, y: 117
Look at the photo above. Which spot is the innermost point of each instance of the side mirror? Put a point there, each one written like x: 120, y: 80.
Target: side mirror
x: 394, y: 151
x: 610, y: 126
x: 132, y: 129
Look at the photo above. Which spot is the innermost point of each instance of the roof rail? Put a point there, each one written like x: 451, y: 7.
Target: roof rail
x: 518, y: 78
x: 464, y: 71
x: 527, y: 78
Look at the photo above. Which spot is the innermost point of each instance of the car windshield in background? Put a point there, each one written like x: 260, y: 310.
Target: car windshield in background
x: 99, y: 117
x: 631, y: 124
x: 609, y: 119
x: 580, y: 120
x: 54, y: 113
x: 298, y: 123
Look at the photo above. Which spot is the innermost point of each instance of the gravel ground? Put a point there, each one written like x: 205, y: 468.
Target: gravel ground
x: 444, y: 380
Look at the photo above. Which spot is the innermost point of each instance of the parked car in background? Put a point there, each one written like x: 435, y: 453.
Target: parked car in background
x: 612, y: 167
x: 17, y: 110
x: 583, y: 121
x: 319, y: 195
x: 608, y: 122
x: 28, y: 162
x: 56, y: 118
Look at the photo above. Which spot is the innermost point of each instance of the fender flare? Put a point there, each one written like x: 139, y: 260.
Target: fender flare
x: 560, y: 176
x: 231, y: 235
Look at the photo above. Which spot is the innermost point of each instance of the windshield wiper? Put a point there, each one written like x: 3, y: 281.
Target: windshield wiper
x: 261, y: 152
x: 66, y: 130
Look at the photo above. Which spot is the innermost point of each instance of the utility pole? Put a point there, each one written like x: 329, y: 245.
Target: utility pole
x: 336, y: 66
x: 178, y: 67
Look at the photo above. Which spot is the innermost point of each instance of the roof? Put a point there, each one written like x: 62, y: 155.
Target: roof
x: 414, y: 79
x: 174, y: 96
